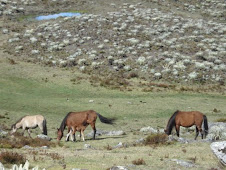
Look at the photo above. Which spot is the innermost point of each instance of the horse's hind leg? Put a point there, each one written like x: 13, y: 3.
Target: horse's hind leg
x: 178, y: 130
x: 29, y: 132
x: 94, y: 130
x: 199, y: 129
x: 197, y: 133
x: 41, y: 128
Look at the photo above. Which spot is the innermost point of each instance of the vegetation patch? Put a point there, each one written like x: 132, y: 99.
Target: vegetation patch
x: 12, y: 158
x: 21, y: 141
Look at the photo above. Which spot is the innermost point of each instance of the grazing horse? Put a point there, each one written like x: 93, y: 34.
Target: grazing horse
x: 78, y: 121
x: 30, y: 122
x: 187, y: 119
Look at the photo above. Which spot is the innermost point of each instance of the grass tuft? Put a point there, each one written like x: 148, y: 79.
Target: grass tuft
x: 156, y: 139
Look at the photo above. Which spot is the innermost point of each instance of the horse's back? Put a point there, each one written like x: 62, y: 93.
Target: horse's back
x: 35, y: 117
x: 188, y: 119
x: 81, y: 118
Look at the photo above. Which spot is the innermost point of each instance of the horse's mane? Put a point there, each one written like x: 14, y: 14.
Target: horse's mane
x: 63, y: 125
x: 17, y: 121
x: 171, y: 123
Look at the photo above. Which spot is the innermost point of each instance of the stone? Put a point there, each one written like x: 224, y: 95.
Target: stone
x: 148, y: 129
x: 1, y: 166
x: 87, y: 146
x: 45, y: 137
x: 184, y: 163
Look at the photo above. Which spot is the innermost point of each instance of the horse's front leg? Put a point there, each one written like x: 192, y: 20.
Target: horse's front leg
x: 29, y: 132
x: 67, y: 137
x: 73, y: 139
x: 23, y: 131
x: 178, y: 130
x: 83, y: 136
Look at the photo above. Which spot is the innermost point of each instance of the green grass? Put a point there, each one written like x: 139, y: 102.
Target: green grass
x: 23, y: 91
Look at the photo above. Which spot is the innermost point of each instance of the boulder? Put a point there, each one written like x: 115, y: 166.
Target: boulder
x: 184, y: 163
x: 1, y: 166
x: 151, y: 130
x: 219, y: 149
x: 217, y: 131
x: 108, y: 133
x: 45, y: 137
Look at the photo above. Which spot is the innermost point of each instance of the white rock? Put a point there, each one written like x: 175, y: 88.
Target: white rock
x: 219, y: 149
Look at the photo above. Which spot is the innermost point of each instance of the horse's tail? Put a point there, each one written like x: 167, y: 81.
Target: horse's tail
x: 44, y: 127
x: 106, y: 120
x: 205, y: 125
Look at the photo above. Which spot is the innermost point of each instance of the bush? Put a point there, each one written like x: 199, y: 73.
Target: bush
x: 11, y: 158
x: 139, y: 162
x: 156, y: 139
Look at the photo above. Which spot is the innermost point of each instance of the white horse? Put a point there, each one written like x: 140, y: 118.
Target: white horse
x: 30, y: 122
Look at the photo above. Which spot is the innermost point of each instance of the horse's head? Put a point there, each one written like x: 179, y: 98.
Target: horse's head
x: 13, y: 129
x: 167, y: 131
x: 59, y: 134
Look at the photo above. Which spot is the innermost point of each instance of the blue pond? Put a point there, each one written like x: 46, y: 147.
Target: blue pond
x: 54, y: 16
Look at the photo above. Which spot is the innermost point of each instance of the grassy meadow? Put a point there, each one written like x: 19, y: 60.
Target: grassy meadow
x: 29, y: 89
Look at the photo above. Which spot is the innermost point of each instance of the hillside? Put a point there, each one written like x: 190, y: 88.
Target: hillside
x: 171, y: 42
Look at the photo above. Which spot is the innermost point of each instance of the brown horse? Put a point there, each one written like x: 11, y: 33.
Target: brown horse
x: 187, y: 119
x: 78, y: 121
x: 30, y: 122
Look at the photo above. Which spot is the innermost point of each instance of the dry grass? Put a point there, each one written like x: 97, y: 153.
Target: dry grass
x: 11, y: 61
x: 108, y: 147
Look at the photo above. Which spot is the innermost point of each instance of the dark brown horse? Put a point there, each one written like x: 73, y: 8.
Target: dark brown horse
x: 187, y: 119
x: 78, y: 121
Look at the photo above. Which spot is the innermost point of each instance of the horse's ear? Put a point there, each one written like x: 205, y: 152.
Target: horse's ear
x: 57, y: 128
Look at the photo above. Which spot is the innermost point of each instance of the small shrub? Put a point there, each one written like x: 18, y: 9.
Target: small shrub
x: 132, y: 75
x: 138, y: 162
x: 11, y: 158
x: 2, y: 117
x: 193, y: 159
x: 11, y: 61
x: 156, y: 139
